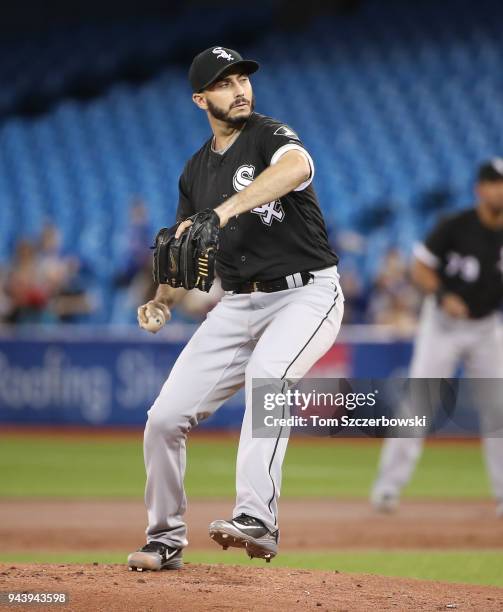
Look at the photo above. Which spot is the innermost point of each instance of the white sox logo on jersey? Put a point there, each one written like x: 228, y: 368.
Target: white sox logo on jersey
x: 222, y: 54
x: 268, y: 212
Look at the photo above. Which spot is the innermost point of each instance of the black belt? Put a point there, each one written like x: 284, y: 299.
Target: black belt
x: 299, y: 279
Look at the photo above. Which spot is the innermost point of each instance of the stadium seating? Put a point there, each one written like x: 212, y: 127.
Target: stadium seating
x: 394, y: 102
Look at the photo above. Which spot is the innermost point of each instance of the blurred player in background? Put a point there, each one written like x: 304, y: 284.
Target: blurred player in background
x: 460, y: 269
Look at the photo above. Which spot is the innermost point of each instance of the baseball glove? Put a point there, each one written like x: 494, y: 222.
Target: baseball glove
x: 188, y: 261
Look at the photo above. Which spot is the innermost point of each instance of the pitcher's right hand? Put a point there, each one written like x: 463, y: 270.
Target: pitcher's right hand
x: 153, y: 315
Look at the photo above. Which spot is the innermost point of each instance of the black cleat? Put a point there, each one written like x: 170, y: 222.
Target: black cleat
x: 246, y: 532
x: 155, y: 556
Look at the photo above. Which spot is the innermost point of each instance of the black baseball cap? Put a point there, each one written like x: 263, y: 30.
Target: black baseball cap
x: 491, y: 170
x: 213, y: 63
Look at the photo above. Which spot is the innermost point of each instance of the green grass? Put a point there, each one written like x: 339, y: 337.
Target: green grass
x: 55, y: 466
x: 470, y: 567
x: 71, y: 467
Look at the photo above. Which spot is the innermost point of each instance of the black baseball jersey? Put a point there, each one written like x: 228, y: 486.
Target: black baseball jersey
x: 469, y: 258
x: 273, y: 240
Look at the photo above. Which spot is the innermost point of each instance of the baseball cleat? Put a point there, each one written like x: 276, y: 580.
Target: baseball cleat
x: 246, y: 532
x: 155, y: 556
x: 385, y: 503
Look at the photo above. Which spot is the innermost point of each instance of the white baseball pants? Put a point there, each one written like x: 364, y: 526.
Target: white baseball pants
x: 259, y: 335
x: 441, y: 344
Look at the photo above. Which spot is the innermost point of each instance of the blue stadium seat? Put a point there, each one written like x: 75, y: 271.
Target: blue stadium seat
x: 392, y: 102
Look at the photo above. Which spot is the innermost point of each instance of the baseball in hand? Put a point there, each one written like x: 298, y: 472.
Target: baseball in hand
x: 154, y: 318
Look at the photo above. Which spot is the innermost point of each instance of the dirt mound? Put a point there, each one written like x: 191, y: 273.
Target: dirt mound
x: 217, y: 587
x: 95, y: 525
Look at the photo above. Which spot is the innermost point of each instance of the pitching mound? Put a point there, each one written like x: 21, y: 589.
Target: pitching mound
x: 218, y: 587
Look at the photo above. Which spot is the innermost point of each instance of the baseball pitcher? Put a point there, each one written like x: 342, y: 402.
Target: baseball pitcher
x: 247, y: 204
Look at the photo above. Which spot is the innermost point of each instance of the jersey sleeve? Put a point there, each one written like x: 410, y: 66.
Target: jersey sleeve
x: 185, y: 208
x: 434, y: 249
x: 275, y: 139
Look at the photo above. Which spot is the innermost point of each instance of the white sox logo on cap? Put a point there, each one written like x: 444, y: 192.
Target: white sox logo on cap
x: 222, y: 54
x: 498, y: 165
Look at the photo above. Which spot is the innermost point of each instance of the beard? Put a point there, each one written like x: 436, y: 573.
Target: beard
x: 496, y: 209
x: 224, y: 115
